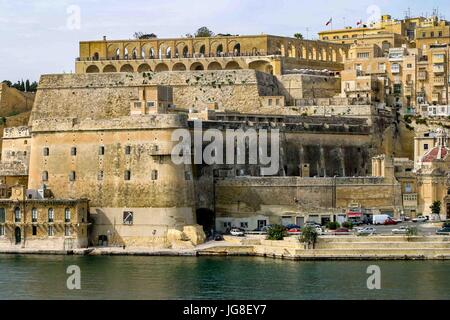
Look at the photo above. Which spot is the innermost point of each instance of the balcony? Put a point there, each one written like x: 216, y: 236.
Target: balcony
x: 410, y: 200
x: 422, y: 75
x: 438, y: 58
x: 439, y: 81
x: 395, y: 68
x: 438, y: 68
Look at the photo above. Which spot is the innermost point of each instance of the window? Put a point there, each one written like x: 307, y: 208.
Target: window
x: 244, y: 225
x: 17, y: 214
x: 270, y: 102
x: 382, y: 67
x: 154, y: 174
x: 34, y: 215
x: 127, y: 175
x: 409, y: 65
x: 101, y: 151
x: 45, y: 176
x: 72, y: 176
x: 51, y: 231
x: 227, y: 225
x: 277, y: 102
x: 137, y: 104
x: 2, y: 230
x: 128, y: 150
x: 150, y: 104
x: 408, y: 188
x: 67, y: 215
x: 34, y: 230
x: 363, y: 55
x: 100, y: 175
x: 128, y: 218
x: 2, y: 215
x: 51, y: 215
x: 46, y: 152
x: 187, y: 176
x: 73, y: 151
x: 67, y: 231
x: 440, y: 34
x: 425, y: 146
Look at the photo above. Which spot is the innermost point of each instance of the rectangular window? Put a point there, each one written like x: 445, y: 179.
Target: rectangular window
x: 51, y: 231
x: 440, y: 34
x: 154, y: 174
x: 2, y: 230
x: 137, y: 105
x: 101, y: 151
x: 34, y: 215
x: 51, y: 215
x: 2, y: 215
x: 277, y: 102
x: 425, y: 146
x: 67, y: 231
x: 128, y: 150
x: 46, y: 152
x: 67, y: 215
x: 244, y: 225
x: 270, y: 102
x: 34, y: 230
x: 73, y: 151
x: 432, y: 34
x: 127, y: 175
x: 45, y: 176
x: 187, y: 176
x: 150, y: 104
x: 363, y: 55
x: 72, y: 176
x: 128, y: 218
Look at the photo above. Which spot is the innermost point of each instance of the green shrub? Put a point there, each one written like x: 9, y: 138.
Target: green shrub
x: 276, y: 232
x: 333, y: 225
x: 309, y: 236
x: 412, y: 232
x: 348, y: 225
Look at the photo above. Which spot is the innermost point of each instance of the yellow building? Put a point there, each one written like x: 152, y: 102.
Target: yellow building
x: 271, y: 54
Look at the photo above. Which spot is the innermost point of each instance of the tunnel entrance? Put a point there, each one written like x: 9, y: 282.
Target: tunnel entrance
x: 206, y: 218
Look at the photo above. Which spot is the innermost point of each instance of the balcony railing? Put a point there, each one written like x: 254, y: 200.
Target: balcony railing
x: 185, y: 56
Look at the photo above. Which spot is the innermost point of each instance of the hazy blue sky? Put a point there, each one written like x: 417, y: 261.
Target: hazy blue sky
x: 41, y: 36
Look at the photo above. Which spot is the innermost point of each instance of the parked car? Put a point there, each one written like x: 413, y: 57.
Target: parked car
x: 312, y: 224
x: 367, y: 230
x: 218, y: 237
x: 401, y: 230
x: 237, y: 232
x: 398, y: 220
x: 294, y: 231
x: 420, y: 219
x: 319, y: 230
x: 341, y: 231
x: 293, y: 226
x: 444, y: 231
x: 390, y: 222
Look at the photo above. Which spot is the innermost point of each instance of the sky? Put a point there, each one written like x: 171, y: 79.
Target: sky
x: 41, y: 36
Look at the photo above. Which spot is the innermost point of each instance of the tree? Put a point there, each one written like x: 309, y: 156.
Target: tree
x: 298, y: 35
x: 309, y: 236
x: 436, y: 207
x: 204, y: 32
x: 141, y: 36
x: 276, y: 232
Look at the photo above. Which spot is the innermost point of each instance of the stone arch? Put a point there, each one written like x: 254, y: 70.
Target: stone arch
x: 92, y: 69
x: 96, y: 56
x: 179, y: 67
x: 144, y: 68
x: 291, y: 50
x: 125, y: 54
x: 143, y: 54
x: 197, y: 66
x: 232, y: 65
x: 214, y: 66
x: 168, y: 53
x: 161, y: 67
x: 259, y: 65
x: 113, y: 52
x: 237, y: 49
x: 152, y: 54
x: 134, y: 54
x: 202, y: 49
x: 219, y: 50
x: 126, y: 68
x: 109, y: 68
x: 185, y: 52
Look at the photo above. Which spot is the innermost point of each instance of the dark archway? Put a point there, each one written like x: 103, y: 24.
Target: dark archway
x: 18, y: 235
x: 207, y: 219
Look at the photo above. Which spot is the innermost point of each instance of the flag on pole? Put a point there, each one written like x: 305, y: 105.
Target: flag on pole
x: 329, y: 22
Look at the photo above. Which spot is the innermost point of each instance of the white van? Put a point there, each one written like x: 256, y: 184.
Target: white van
x: 380, y: 218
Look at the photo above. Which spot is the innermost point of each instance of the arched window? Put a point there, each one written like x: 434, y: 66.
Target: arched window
x: 96, y: 56
x: 51, y: 215
x: 17, y: 214
x: 67, y: 216
x: 152, y: 53
x: 202, y: 50
x: 185, y: 51
x: 34, y: 215
x: 125, y: 56
x: 143, y: 53
x: 219, y: 50
x: 237, y: 49
x: 168, y: 53
x: 117, y: 54
x: 134, y: 54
